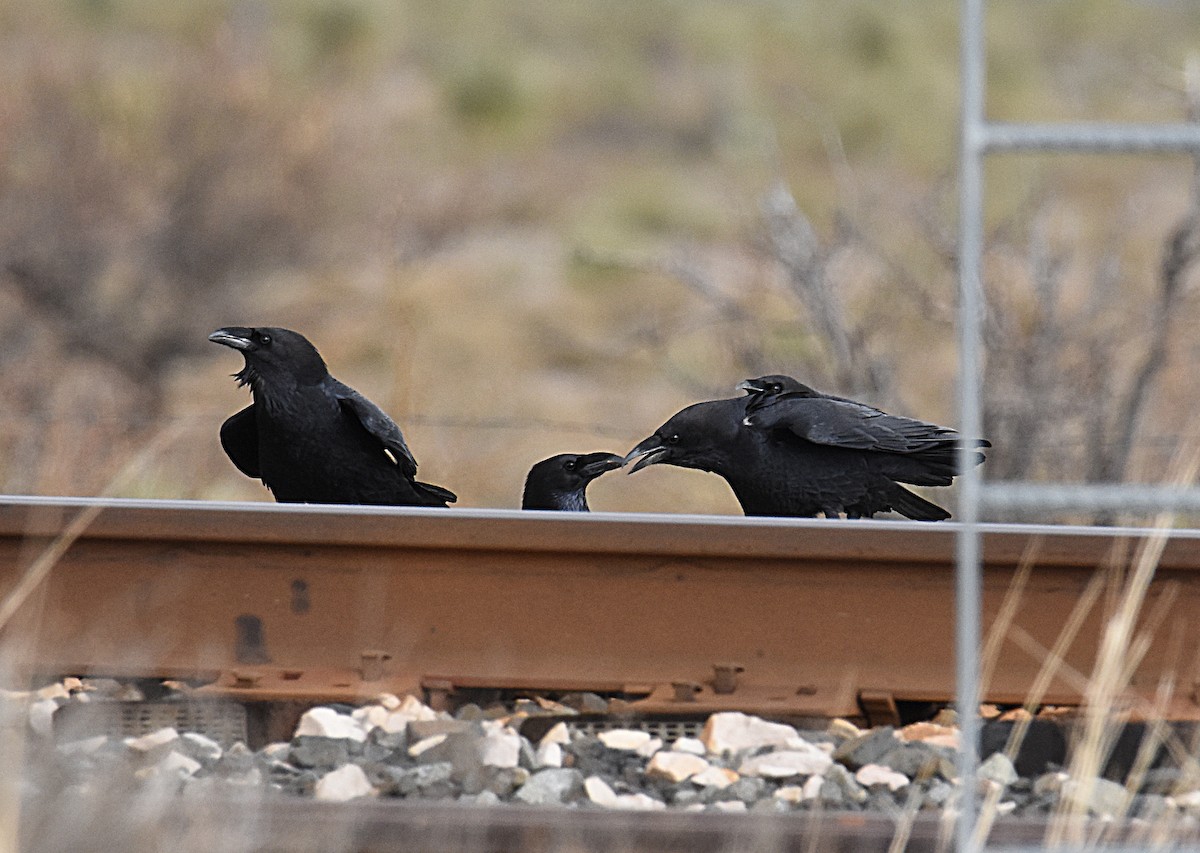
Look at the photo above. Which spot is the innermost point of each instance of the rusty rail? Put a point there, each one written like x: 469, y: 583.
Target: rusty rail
x: 683, y: 615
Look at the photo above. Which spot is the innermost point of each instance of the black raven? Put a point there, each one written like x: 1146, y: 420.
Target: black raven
x: 560, y: 482
x: 799, y: 452
x: 310, y: 438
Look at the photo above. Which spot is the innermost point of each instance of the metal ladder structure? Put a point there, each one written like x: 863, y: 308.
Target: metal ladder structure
x: 979, y: 138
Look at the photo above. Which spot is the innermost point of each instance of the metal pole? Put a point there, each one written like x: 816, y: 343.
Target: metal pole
x: 970, y: 303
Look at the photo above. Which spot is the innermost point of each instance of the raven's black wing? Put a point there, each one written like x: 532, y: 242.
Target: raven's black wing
x: 844, y: 423
x: 239, y: 437
x: 375, y: 421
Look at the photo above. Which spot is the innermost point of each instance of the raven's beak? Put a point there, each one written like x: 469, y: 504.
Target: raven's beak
x: 237, y: 337
x: 598, y: 463
x: 648, y: 452
x: 749, y: 387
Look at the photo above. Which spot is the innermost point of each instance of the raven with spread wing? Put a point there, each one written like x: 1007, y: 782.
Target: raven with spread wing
x: 311, y: 438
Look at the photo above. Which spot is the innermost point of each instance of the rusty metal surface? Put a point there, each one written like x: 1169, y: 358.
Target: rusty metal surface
x: 683, y: 614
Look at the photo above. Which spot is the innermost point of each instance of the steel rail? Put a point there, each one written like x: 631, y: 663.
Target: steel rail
x: 683, y: 615
x: 294, y: 825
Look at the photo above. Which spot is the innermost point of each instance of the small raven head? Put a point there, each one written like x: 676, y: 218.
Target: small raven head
x: 273, y: 355
x: 560, y: 481
x: 766, y: 388
x: 696, y: 437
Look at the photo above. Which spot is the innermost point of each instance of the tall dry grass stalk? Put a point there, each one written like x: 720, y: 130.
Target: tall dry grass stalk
x: 1121, y: 650
x: 13, y: 728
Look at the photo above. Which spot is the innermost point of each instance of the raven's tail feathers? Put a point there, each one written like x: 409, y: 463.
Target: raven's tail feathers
x: 434, y: 495
x: 916, y: 507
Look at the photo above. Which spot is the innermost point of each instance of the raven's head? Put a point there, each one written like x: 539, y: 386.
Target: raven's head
x: 766, y: 388
x: 700, y: 436
x: 560, y: 481
x: 272, y: 355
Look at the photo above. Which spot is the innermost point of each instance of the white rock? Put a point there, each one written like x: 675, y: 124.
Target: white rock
x: 371, y: 716
x: 695, y: 807
x: 416, y: 709
x: 145, y: 743
x: 793, y: 793
x: 83, y: 747
x: 41, y: 716
x: 731, y: 806
x: 812, y: 787
x: 178, y: 764
x: 843, y: 729
x: 558, y: 733
x: 649, y: 747
x: 690, y: 745
x: 599, y: 792
x: 201, y: 746
x: 499, y: 747
x: 425, y: 744
x: 730, y: 731
x: 326, y: 722
x: 548, y: 755
x: 638, y: 803
x: 1006, y: 807
x: 389, y: 701
x: 53, y: 691
x: 877, y: 774
x: 345, y: 783
x: 715, y: 777
x: 786, y: 763
x: 1190, y: 800
x: 629, y: 740
x: 997, y: 768
x: 675, y: 766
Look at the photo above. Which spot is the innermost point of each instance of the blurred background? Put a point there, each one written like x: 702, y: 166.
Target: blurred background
x: 526, y: 228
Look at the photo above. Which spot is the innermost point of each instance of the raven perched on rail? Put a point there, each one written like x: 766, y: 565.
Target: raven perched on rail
x: 560, y: 482
x: 789, y: 450
x: 310, y: 438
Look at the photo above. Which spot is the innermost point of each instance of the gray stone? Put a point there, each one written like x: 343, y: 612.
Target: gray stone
x: 551, y: 786
x: 432, y: 781
x: 1101, y: 797
x: 1151, y: 807
x: 845, y: 781
x: 937, y: 795
x: 867, y: 748
x: 418, y: 730
x: 586, y: 703
x: 999, y: 769
x: 205, y: 750
x: 831, y: 794
x: 504, y: 780
x: 238, y: 760
x: 483, y: 798
x: 319, y: 752
x: 748, y: 789
x: 913, y: 759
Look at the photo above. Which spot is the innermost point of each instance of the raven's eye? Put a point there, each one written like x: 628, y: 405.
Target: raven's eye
x: 569, y: 464
x: 674, y: 439
x: 775, y: 388
x: 265, y: 340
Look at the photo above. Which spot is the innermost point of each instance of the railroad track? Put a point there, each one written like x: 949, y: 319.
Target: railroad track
x: 270, y: 609
x: 270, y: 605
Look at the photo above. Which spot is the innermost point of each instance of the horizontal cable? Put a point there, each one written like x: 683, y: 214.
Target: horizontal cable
x: 1096, y: 137
x: 1082, y: 497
